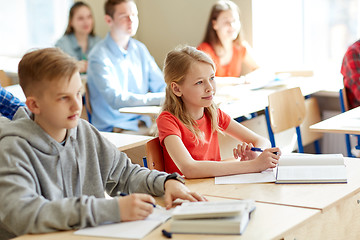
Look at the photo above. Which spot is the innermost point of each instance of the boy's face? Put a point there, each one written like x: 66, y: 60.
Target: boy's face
x: 59, y: 106
x: 125, y: 20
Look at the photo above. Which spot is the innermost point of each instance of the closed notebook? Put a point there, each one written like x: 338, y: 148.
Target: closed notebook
x: 225, y: 217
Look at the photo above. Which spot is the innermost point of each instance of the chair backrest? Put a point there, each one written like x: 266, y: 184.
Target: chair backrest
x: 344, y: 104
x: 286, y: 109
x: 154, y: 155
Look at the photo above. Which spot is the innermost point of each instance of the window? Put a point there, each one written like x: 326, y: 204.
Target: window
x: 305, y: 34
x: 31, y: 24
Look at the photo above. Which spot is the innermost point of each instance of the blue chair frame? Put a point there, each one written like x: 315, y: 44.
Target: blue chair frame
x: 272, y: 137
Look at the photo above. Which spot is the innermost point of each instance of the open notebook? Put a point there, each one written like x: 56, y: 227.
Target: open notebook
x: 129, y: 230
x: 297, y: 168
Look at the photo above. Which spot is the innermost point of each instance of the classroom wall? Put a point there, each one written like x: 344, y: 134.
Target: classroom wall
x: 164, y: 24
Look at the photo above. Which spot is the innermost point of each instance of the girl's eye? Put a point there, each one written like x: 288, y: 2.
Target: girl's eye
x: 199, y: 82
x: 212, y: 78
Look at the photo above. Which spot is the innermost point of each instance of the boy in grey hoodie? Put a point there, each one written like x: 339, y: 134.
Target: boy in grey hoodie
x: 55, y: 167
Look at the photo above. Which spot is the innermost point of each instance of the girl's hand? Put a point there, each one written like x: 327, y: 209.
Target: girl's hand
x: 269, y: 158
x: 243, y: 151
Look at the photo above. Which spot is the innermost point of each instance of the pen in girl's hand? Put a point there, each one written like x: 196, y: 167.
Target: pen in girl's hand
x: 255, y: 149
x: 124, y: 194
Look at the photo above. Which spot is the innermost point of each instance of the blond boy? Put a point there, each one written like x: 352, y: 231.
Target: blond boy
x: 55, y: 167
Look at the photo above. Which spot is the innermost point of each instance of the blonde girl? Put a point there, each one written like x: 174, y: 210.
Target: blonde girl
x: 190, y: 122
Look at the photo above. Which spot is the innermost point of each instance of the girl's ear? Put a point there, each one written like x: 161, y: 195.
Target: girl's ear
x: 176, y: 89
x: 214, y: 25
x: 32, y: 104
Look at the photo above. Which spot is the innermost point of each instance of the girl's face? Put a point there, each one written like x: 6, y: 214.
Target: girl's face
x: 198, y: 88
x: 227, y: 25
x: 82, y: 21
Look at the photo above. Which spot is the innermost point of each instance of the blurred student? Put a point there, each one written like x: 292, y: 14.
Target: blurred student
x: 223, y: 41
x: 350, y: 69
x: 79, y: 37
x: 190, y: 123
x: 55, y: 167
x: 122, y: 73
x: 9, y: 104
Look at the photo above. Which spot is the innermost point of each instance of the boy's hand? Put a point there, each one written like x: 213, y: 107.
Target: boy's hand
x: 268, y: 158
x: 175, y: 189
x: 243, y: 151
x: 135, y: 206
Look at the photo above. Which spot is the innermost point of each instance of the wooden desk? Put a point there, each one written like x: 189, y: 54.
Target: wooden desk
x: 268, y: 221
x: 338, y: 203
x: 126, y: 141
x: 347, y: 122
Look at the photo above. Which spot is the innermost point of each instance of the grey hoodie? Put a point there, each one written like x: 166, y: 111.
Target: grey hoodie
x: 45, y: 186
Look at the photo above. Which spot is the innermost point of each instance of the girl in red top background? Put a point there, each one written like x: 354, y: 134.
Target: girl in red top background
x: 223, y: 41
x: 190, y: 122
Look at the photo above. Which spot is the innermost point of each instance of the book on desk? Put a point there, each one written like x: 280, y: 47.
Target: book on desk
x: 296, y: 168
x: 225, y: 217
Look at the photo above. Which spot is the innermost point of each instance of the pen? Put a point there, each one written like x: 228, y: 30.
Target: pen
x: 255, y: 149
x: 124, y: 194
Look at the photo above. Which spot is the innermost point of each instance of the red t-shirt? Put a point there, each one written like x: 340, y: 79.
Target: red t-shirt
x: 233, y: 69
x: 168, y: 124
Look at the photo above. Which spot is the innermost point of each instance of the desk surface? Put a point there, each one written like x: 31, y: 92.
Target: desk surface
x: 347, y: 122
x: 126, y: 141
x: 268, y: 221
x: 235, y: 98
x: 315, y: 196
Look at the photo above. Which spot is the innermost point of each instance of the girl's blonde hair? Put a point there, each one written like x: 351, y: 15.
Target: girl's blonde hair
x: 177, y: 65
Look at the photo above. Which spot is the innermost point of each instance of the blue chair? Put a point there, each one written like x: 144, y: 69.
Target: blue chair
x: 344, y: 106
x: 287, y: 109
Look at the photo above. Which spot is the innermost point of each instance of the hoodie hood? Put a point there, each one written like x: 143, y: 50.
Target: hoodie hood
x: 23, y: 126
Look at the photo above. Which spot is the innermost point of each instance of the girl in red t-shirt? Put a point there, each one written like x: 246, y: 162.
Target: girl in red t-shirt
x: 223, y: 41
x: 190, y: 121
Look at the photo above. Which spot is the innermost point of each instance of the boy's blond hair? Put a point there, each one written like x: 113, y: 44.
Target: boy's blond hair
x: 177, y: 65
x: 41, y: 65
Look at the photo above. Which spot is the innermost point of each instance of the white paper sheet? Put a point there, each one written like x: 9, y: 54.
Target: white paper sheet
x: 263, y: 177
x: 130, y: 230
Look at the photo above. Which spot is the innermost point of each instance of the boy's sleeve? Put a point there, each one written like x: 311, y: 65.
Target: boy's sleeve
x: 25, y: 210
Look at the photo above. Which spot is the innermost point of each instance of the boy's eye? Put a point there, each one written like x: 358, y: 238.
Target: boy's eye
x: 212, y: 78
x: 199, y: 82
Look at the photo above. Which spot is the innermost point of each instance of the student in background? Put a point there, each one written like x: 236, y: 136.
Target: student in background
x: 55, y: 167
x: 190, y: 122
x: 122, y: 73
x: 79, y: 37
x: 350, y: 69
x: 223, y: 41
x: 9, y: 104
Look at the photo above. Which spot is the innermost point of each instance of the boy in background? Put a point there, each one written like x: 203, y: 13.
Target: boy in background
x: 55, y: 167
